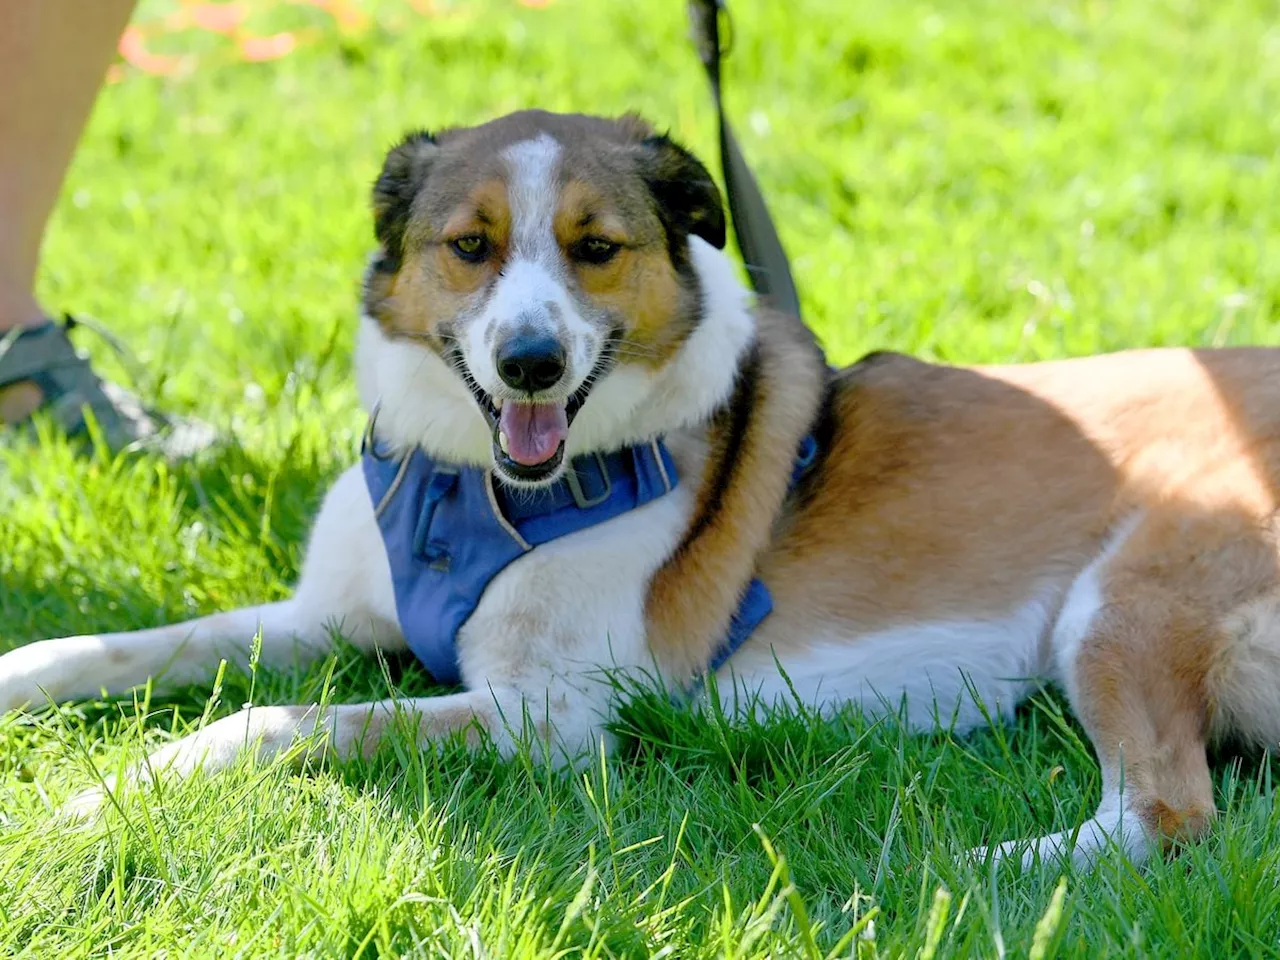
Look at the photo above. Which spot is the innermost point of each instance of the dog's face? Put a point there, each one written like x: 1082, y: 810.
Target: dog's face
x: 538, y: 255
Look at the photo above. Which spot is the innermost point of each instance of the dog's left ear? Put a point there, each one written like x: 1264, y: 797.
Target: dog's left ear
x: 686, y: 196
x: 403, y: 173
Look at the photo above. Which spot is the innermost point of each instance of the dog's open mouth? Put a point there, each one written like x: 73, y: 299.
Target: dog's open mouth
x: 529, y: 436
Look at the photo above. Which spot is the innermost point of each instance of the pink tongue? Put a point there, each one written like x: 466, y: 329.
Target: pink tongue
x: 534, y: 431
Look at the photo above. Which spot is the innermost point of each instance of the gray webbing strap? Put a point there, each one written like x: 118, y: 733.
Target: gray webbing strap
x: 762, y: 251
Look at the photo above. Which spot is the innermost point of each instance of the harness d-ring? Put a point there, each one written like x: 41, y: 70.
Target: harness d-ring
x: 368, y: 443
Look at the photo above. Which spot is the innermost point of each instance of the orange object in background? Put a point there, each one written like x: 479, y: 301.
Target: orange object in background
x: 229, y: 20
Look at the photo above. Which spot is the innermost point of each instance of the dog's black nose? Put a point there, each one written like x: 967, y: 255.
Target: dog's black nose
x: 531, y: 361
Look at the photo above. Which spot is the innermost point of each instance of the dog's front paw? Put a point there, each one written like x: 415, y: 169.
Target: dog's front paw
x: 1112, y: 828
x: 20, y: 676
x: 86, y: 806
x: 51, y: 671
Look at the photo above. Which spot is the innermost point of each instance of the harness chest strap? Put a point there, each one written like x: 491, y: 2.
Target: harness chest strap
x: 449, y: 530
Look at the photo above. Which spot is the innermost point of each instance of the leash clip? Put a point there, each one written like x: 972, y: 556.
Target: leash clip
x: 704, y: 25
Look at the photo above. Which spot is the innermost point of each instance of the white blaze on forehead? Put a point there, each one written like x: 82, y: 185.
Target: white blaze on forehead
x: 532, y: 167
x: 529, y: 294
x: 532, y: 289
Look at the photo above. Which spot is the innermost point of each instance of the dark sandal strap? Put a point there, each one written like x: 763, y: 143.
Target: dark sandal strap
x: 44, y: 356
x: 26, y: 354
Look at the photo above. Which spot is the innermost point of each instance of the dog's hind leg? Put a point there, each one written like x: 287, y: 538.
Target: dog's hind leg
x: 1137, y: 681
x: 345, y: 586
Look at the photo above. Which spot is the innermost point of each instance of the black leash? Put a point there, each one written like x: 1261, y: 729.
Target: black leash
x: 766, y: 261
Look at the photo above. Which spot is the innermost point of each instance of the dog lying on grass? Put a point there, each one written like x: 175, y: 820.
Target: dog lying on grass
x: 589, y: 451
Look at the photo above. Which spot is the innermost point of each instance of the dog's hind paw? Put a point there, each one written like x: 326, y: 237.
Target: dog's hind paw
x: 1025, y: 853
x: 1083, y: 847
x: 20, y: 675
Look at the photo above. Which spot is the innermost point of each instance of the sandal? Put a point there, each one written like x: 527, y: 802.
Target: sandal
x: 45, y: 356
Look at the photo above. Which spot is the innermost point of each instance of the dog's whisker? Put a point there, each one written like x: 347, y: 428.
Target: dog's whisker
x: 630, y: 347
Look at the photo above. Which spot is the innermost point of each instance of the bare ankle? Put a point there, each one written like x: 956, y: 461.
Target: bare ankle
x: 19, y: 311
x: 19, y: 400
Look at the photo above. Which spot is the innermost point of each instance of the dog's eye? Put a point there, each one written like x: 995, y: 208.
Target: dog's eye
x: 595, y: 250
x: 472, y: 248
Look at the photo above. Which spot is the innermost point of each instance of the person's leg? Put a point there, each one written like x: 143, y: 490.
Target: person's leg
x: 53, y: 56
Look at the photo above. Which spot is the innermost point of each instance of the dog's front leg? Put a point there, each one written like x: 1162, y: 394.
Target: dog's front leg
x: 345, y: 585
x: 344, y: 731
x: 75, y: 668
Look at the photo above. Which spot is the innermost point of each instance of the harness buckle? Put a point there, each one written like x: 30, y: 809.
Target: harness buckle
x: 575, y: 486
x: 704, y: 24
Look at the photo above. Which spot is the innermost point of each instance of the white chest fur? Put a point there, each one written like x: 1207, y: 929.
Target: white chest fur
x: 568, y: 608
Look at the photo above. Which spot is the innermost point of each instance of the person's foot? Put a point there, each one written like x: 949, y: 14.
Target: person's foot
x: 41, y: 371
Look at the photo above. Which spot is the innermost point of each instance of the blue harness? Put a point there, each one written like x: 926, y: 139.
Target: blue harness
x: 449, y: 530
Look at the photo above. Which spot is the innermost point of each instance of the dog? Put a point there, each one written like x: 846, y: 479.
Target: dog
x: 590, y: 452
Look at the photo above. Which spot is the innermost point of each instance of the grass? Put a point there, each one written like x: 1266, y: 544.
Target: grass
x: 973, y: 182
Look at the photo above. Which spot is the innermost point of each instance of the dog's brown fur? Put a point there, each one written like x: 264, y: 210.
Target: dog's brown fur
x: 742, y: 494
x: 957, y: 493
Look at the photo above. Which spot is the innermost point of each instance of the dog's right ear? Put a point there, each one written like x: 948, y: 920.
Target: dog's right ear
x: 402, y: 176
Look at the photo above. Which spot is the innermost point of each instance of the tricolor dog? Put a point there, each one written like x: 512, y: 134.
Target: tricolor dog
x: 590, y: 451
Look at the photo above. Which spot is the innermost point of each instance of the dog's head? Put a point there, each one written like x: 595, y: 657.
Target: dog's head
x: 539, y: 256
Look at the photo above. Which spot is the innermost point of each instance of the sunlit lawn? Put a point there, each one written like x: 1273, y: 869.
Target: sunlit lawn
x: 986, y: 181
